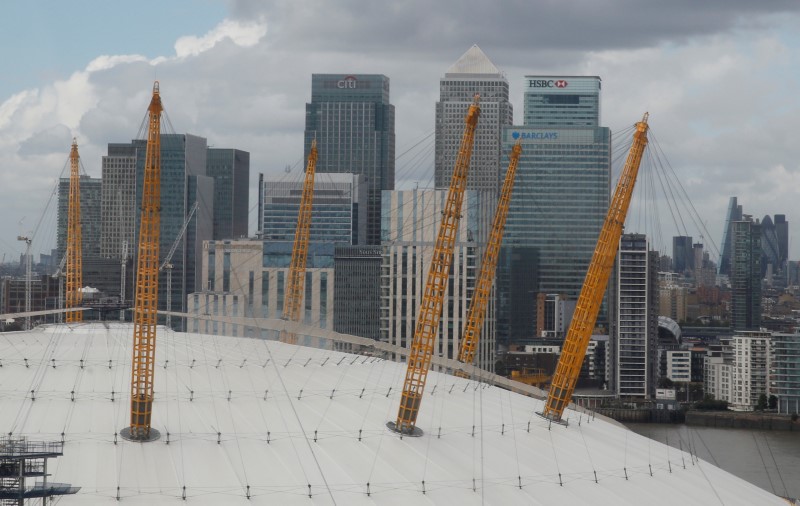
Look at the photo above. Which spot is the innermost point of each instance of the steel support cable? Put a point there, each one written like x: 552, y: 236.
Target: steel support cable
x: 764, y: 464
x: 662, y: 172
x: 678, y: 225
x: 514, y: 435
x: 236, y: 438
x: 693, y: 211
x: 777, y: 468
x: 300, y: 425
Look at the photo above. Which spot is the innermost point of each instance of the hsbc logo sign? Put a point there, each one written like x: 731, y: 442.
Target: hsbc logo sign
x: 547, y: 83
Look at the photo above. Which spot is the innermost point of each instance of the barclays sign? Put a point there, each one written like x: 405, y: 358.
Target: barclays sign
x: 547, y: 136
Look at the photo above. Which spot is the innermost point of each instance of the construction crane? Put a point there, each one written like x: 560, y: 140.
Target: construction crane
x: 483, y: 288
x: 297, y: 270
x: 594, y: 286
x: 146, y: 302
x: 74, y: 239
x: 430, y: 309
x: 168, y: 262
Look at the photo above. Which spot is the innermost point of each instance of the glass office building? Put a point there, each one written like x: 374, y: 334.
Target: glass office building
x: 562, y: 101
x: 559, y: 203
x: 339, y: 211
x: 560, y: 199
x: 353, y: 123
x: 90, y: 217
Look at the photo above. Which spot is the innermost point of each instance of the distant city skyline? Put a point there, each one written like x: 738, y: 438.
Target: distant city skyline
x: 237, y: 72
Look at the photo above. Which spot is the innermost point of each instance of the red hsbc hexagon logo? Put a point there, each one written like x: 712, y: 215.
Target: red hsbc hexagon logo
x: 560, y: 83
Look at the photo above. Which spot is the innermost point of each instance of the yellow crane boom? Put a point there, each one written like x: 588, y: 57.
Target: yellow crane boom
x: 594, y: 286
x: 295, y: 284
x: 430, y: 309
x: 74, y: 238
x: 483, y: 288
x: 146, y: 303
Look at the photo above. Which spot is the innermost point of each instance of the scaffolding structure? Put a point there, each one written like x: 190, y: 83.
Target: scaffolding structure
x: 21, y: 460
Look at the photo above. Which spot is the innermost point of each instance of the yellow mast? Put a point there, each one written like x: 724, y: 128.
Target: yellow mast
x: 74, y: 239
x: 483, y: 288
x: 594, y: 286
x: 295, y: 284
x: 146, y: 303
x: 430, y: 310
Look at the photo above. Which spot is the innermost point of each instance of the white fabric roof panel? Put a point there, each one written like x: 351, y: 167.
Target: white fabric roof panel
x: 219, y: 435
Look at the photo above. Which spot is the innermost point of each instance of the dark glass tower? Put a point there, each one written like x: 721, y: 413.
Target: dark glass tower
x: 560, y: 198
x: 353, y: 122
x: 745, y: 274
x: 230, y: 169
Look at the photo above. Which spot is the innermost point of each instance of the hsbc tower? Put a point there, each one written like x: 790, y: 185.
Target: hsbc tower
x: 559, y: 202
x: 562, y: 101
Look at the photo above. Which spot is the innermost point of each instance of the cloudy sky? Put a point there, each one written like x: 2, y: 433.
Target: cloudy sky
x: 720, y: 79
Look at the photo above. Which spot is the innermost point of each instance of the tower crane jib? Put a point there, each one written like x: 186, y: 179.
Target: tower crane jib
x: 297, y: 269
x: 483, y: 287
x: 430, y: 309
x: 146, y: 299
x: 74, y: 241
x: 594, y: 286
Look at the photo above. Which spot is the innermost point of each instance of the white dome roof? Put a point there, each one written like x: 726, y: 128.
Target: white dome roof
x: 241, y: 415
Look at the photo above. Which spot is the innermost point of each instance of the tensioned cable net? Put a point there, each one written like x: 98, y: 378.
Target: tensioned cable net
x: 255, y: 421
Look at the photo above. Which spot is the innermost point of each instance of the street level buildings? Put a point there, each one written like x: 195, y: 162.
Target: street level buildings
x: 473, y: 73
x: 784, y: 371
x: 247, y: 279
x: 352, y: 121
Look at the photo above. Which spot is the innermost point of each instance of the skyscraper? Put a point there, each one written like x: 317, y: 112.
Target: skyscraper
x: 217, y: 179
x: 118, y: 200
x: 682, y: 254
x: 561, y: 194
x: 353, y: 123
x: 339, y: 212
x: 634, y: 341
x: 745, y: 274
x: 90, y: 217
x: 782, y: 229
x: 473, y: 73
x: 734, y: 214
x: 230, y: 169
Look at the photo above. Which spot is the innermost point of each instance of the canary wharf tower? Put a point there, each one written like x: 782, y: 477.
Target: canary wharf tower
x: 353, y: 122
x: 472, y: 74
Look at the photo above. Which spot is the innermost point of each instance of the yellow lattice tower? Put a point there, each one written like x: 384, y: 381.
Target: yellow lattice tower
x: 430, y: 309
x: 483, y: 288
x: 295, y: 284
x: 146, y: 303
x: 594, y: 286
x: 74, y: 273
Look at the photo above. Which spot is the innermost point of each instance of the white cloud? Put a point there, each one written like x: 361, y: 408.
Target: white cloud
x: 722, y: 124
x: 244, y: 34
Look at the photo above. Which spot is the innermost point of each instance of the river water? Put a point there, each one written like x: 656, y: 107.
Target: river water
x: 769, y: 459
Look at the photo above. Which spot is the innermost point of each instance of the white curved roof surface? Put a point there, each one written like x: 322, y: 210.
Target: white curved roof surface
x: 241, y: 415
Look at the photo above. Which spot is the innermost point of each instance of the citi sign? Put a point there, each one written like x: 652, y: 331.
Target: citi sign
x: 547, y: 83
x: 348, y: 82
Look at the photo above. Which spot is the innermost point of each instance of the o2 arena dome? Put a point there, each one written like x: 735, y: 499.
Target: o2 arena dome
x: 253, y: 421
